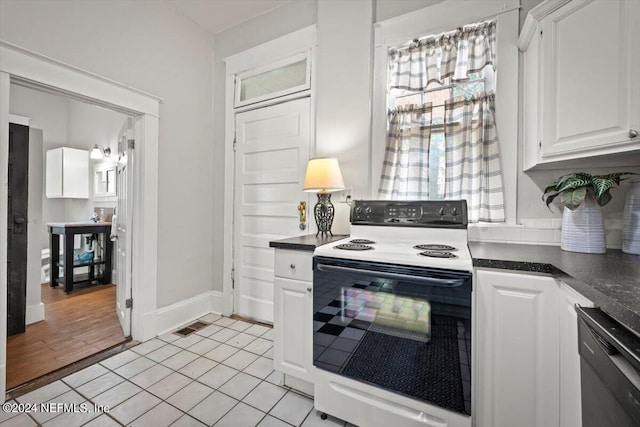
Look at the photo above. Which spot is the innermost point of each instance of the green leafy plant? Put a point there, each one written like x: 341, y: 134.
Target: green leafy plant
x: 574, y: 187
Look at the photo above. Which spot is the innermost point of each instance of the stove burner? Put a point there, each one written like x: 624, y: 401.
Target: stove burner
x: 362, y: 241
x: 435, y: 247
x: 438, y: 254
x: 353, y: 247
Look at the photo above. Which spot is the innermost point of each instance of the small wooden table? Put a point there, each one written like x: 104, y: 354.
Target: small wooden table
x: 69, y: 230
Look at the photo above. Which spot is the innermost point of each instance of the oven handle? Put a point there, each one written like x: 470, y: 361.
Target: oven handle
x: 431, y: 281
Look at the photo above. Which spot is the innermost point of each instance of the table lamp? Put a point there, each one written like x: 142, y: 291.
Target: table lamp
x: 323, y: 176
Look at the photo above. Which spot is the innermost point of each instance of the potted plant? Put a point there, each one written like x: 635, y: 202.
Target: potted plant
x: 582, y: 196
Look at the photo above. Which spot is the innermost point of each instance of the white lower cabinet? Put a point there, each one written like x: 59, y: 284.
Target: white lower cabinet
x: 292, y: 323
x: 527, y: 363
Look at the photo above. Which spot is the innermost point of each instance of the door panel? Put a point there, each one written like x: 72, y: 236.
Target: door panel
x: 121, y: 226
x: 17, y: 228
x: 272, y: 150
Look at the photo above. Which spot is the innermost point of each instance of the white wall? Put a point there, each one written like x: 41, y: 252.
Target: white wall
x: 385, y: 9
x: 65, y: 123
x: 49, y: 114
x: 146, y: 45
x: 343, y: 95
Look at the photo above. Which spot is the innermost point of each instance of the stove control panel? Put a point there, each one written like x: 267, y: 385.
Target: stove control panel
x: 410, y: 213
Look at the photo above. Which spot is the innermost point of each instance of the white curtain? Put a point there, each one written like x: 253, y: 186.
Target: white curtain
x: 473, y: 170
x: 405, y: 173
x: 472, y: 165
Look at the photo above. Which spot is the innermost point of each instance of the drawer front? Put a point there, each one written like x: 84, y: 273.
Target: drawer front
x: 294, y: 264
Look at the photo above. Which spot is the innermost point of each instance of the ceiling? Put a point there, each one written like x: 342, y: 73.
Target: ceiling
x: 218, y: 15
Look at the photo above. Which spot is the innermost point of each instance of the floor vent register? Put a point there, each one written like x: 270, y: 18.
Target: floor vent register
x: 189, y: 329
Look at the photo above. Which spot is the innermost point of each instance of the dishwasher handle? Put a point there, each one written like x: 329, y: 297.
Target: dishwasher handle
x: 612, y: 336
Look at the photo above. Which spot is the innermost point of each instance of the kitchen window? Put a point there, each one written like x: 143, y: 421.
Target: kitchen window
x: 443, y: 103
x: 437, y: 94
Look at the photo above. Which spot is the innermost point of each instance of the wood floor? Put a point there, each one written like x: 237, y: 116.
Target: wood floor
x: 76, y: 326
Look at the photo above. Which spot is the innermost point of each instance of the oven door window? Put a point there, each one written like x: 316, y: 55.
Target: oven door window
x: 405, y: 329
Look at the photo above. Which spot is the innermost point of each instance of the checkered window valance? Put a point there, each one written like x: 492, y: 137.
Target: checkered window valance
x: 454, y: 54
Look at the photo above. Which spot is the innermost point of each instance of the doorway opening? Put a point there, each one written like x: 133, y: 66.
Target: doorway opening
x: 30, y: 69
x: 73, y: 288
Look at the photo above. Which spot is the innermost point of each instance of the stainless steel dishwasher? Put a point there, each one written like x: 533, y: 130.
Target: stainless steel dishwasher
x: 609, y: 370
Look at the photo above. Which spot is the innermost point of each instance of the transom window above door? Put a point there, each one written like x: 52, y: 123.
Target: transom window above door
x: 273, y: 81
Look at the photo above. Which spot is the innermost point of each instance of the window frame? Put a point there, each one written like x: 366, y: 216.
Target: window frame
x: 436, y: 19
x: 240, y: 77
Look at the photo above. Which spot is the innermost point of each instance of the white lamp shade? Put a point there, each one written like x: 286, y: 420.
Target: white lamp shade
x: 323, y: 175
x: 96, y: 153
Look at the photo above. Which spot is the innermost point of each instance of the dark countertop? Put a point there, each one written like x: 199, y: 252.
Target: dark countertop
x: 611, y: 280
x: 308, y: 242
x: 77, y: 224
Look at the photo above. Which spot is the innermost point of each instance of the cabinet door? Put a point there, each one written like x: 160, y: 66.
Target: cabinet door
x: 590, y: 66
x: 67, y: 173
x: 75, y: 172
x: 516, y: 341
x: 531, y: 102
x: 570, y: 393
x: 53, y: 173
x: 292, y: 327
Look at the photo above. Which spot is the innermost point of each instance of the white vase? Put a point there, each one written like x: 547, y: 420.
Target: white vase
x: 631, y: 220
x: 583, y: 228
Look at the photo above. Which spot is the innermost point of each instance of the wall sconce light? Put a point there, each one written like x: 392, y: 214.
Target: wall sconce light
x: 323, y: 177
x: 99, y: 152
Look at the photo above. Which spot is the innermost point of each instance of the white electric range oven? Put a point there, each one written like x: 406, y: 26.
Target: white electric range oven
x: 393, y: 315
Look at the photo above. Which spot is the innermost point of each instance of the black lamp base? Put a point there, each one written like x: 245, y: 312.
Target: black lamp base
x: 323, y: 211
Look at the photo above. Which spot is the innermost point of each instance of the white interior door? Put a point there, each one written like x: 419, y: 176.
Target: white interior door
x: 272, y: 150
x: 121, y: 226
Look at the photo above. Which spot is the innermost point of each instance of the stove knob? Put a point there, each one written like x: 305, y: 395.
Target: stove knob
x: 441, y: 212
x: 368, y: 210
x: 454, y: 211
x: 358, y: 211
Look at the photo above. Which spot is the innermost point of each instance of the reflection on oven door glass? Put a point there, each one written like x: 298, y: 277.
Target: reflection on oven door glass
x: 388, y: 313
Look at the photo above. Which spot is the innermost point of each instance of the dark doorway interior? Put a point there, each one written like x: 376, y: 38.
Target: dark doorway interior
x: 17, y: 228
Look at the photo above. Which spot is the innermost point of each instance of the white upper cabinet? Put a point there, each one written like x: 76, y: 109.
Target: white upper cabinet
x: 67, y: 173
x: 581, y: 86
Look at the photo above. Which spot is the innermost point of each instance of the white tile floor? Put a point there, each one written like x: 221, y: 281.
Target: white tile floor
x: 222, y: 375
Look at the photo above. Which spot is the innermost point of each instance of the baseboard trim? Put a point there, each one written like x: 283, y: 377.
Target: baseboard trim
x: 34, y: 313
x: 172, y: 317
x: 3, y: 375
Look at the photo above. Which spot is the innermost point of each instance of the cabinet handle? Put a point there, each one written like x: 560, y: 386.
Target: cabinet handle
x: 633, y: 133
x: 309, y: 289
x: 292, y: 266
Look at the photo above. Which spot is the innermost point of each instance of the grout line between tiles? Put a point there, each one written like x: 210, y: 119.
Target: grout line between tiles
x: 283, y: 387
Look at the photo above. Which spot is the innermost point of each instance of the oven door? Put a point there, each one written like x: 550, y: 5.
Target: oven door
x: 404, y: 329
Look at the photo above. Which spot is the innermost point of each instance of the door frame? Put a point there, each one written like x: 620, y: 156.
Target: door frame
x: 27, y: 68
x: 279, y: 49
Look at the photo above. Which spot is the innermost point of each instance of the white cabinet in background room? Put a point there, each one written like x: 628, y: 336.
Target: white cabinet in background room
x: 292, y: 321
x: 67, y: 173
x: 581, y: 93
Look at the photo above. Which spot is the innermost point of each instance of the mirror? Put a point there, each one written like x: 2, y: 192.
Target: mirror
x: 104, y: 180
